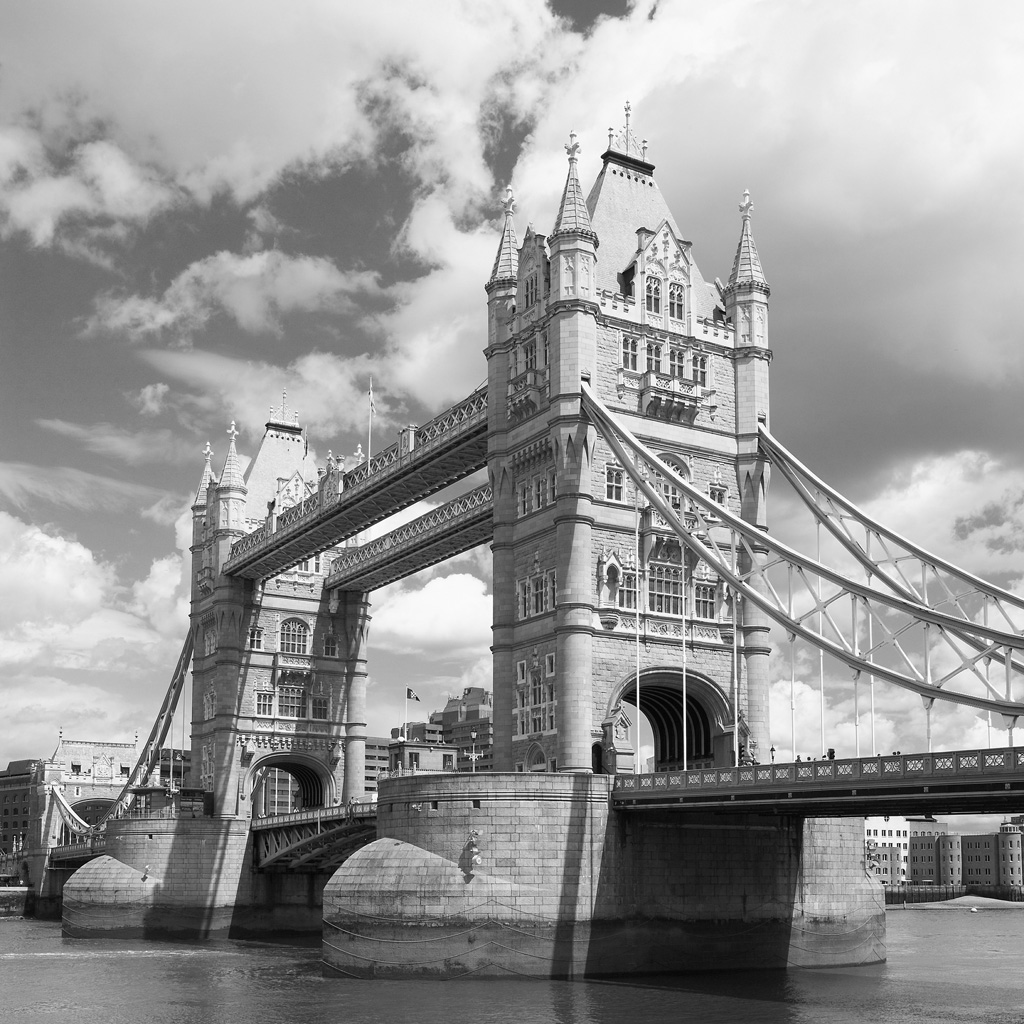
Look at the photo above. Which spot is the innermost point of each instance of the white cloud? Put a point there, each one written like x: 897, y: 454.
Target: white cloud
x: 99, y: 183
x: 449, y: 617
x: 21, y: 484
x: 80, y: 648
x: 255, y: 290
x: 134, y: 447
x: 152, y: 399
x: 327, y: 390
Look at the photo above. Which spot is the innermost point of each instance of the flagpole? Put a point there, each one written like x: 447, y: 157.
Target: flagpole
x: 369, y: 424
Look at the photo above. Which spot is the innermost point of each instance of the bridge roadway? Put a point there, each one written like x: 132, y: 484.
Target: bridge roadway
x: 449, y: 448
x: 948, y: 782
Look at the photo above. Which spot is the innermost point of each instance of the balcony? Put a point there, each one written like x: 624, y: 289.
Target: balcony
x: 676, y: 399
x: 527, y: 393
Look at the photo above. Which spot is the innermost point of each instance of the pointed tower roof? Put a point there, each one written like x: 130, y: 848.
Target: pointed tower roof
x: 746, y: 268
x: 231, y: 475
x: 573, y: 215
x: 506, y: 263
x: 206, y: 480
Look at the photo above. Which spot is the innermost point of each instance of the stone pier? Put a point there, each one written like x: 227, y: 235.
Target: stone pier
x: 534, y: 875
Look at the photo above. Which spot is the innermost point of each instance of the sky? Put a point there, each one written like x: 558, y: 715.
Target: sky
x: 202, y: 206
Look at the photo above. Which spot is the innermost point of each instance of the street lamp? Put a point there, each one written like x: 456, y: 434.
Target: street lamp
x: 472, y: 757
x: 772, y: 752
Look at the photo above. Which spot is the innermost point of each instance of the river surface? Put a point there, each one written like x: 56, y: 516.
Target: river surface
x: 944, y: 966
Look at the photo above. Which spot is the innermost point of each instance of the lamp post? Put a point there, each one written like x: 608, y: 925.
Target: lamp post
x: 772, y: 752
x: 472, y: 756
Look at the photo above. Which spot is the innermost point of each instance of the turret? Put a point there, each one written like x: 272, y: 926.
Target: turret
x: 228, y: 507
x: 573, y: 311
x: 746, y: 301
x: 200, y: 556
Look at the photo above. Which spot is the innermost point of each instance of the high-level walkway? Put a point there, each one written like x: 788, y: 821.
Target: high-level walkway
x: 449, y: 448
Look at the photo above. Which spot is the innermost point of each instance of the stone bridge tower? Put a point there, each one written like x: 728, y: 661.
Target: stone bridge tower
x: 589, y: 582
x: 279, y: 669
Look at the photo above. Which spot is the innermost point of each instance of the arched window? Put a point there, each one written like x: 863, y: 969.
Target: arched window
x: 294, y: 637
x: 653, y: 295
x: 675, y: 301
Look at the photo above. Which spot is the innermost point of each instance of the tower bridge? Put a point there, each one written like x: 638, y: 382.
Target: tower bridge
x: 625, y: 432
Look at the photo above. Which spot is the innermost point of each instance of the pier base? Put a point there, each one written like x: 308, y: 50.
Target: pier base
x: 535, y: 875
x: 187, y: 879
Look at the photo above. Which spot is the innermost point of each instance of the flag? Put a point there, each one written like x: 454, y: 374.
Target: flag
x: 373, y: 407
x: 410, y: 694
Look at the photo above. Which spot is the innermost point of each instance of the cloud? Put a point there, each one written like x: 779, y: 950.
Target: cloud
x: 327, y: 390
x: 75, y: 196
x: 133, y: 447
x: 449, y: 617
x: 21, y: 484
x: 255, y: 290
x: 80, y: 648
x: 151, y: 400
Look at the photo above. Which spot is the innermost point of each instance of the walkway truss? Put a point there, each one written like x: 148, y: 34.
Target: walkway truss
x: 912, y: 619
x: 148, y: 760
x: 447, y: 449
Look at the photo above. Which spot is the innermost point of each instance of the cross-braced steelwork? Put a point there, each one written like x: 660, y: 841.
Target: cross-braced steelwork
x: 148, y: 760
x: 917, y: 644
x: 449, y: 448
x: 317, y: 840
x: 444, y: 532
x: 897, y: 562
x: 947, y: 783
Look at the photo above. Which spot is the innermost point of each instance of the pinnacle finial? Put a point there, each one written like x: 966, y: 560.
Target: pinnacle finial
x: 231, y: 432
x: 627, y: 108
x: 509, y: 202
x: 746, y: 206
x: 208, y: 451
x: 572, y: 147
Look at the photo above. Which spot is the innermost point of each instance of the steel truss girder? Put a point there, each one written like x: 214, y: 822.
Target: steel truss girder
x: 449, y: 448
x: 835, y: 512
x: 441, y: 533
x: 754, y: 543
x: 312, y: 845
x: 148, y: 759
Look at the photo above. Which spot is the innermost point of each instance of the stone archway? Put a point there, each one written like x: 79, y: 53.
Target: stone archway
x: 312, y: 781
x: 707, y: 715
x: 536, y: 759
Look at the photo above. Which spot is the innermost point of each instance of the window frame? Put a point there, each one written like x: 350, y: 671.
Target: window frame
x: 288, y: 637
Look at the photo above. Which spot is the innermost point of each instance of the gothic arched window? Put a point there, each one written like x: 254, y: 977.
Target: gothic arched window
x: 294, y: 637
x: 653, y: 295
x: 675, y: 301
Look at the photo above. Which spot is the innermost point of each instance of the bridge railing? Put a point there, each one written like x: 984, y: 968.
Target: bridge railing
x: 958, y: 764
x: 316, y: 815
x: 415, y: 531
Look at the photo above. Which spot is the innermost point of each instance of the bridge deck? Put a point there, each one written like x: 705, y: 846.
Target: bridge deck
x: 447, y: 449
x: 950, y: 782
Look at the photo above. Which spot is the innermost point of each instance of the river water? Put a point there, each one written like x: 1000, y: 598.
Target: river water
x: 944, y: 965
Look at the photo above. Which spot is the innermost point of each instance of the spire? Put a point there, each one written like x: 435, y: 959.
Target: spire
x: 572, y: 213
x: 231, y: 475
x: 506, y: 263
x: 746, y: 268
x: 206, y: 480
x: 625, y: 142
